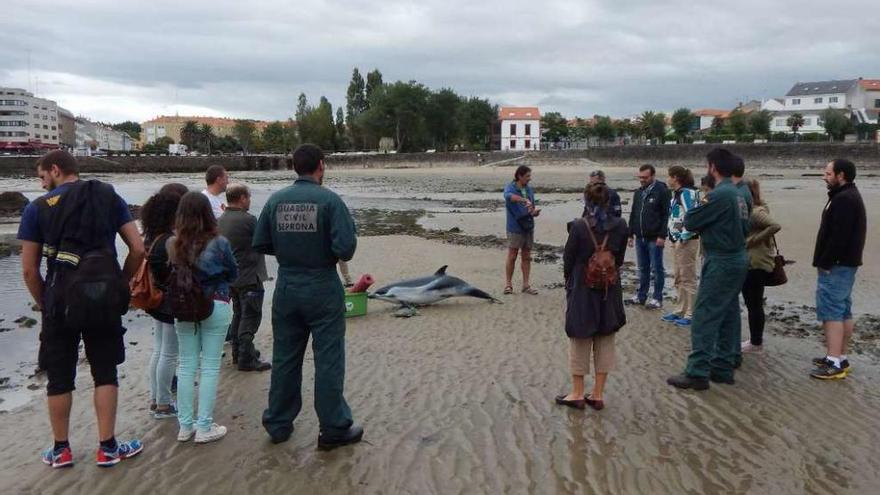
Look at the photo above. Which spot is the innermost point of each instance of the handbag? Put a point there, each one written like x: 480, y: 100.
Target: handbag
x: 777, y: 276
x: 144, y: 293
x: 526, y: 222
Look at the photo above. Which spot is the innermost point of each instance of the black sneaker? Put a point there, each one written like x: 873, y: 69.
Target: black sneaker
x: 352, y: 435
x: 686, y: 381
x: 824, y: 362
x: 829, y: 373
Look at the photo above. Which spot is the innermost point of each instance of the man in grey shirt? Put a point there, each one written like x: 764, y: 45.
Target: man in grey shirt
x: 237, y: 225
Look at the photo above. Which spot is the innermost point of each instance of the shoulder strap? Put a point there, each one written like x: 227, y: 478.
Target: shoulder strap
x: 592, y: 235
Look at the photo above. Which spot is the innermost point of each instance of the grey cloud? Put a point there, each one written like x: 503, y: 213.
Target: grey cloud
x: 578, y: 57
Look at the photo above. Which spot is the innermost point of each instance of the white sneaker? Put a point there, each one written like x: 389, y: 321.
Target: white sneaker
x: 653, y: 304
x: 747, y: 346
x: 216, y: 432
x: 185, y: 434
x: 635, y: 300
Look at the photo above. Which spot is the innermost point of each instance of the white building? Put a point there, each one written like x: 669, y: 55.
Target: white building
x: 92, y: 137
x: 520, y: 128
x: 811, y: 99
x: 27, y: 122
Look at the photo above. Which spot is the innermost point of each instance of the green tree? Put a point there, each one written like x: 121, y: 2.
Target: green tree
x: 626, y: 127
x: 189, y: 134
x: 322, y: 125
x: 476, y: 116
x: 133, y: 129
x: 398, y: 111
x: 244, y: 132
x: 302, y: 112
x: 225, y: 144
x: 342, y: 141
x: 738, y: 123
x: 554, y: 127
x: 652, y: 125
x: 581, y: 130
x: 837, y: 123
x: 374, y: 83
x: 355, y: 105
x: 158, y: 146
x: 717, y: 126
x: 206, y: 137
x: 682, y: 122
x: 604, y: 128
x: 795, y: 121
x: 759, y: 122
x: 275, y: 138
x: 442, y: 118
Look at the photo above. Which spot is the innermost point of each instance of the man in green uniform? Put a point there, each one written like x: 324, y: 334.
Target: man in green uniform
x: 308, y: 229
x: 723, y: 223
x: 739, y: 170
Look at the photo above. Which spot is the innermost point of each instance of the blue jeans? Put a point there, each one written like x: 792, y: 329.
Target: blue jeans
x: 205, y: 341
x: 650, y: 259
x: 834, y: 293
x: 163, y: 362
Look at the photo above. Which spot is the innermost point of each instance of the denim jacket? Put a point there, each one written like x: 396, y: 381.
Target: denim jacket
x: 216, y: 268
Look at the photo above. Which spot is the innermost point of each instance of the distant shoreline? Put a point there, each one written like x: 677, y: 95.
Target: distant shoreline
x: 770, y: 155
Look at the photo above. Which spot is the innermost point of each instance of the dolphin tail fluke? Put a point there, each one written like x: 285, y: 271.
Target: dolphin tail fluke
x: 474, y: 292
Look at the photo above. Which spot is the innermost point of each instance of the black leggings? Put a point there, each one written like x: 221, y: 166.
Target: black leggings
x: 753, y: 293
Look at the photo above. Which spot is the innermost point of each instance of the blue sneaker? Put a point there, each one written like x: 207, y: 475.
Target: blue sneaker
x: 683, y: 322
x: 60, y: 458
x: 124, y: 450
x: 670, y: 317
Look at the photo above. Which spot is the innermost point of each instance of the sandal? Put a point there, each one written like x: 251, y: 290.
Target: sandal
x: 576, y: 404
x: 508, y: 290
x: 529, y: 290
x: 594, y: 403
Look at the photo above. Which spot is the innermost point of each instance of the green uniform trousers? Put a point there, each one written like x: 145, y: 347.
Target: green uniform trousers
x: 303, y: 306
x: 716, y: 326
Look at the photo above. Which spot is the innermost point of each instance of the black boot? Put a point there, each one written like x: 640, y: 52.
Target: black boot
x: 328, y: 441
x: 249, y: 358
x: 686, y: 381
x: 722, y: 379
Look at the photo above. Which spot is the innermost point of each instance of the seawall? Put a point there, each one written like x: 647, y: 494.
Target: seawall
x: 781, y: 155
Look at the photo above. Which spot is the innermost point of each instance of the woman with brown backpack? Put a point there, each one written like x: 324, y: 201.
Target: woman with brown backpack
x: 157, y: 218
x: 202, y: 267
x: 594, y: 313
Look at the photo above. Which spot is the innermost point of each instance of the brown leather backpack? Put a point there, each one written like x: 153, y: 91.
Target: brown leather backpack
x: 601, y: 270
x: 144, y: 293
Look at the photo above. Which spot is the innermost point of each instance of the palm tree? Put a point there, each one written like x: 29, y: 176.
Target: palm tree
x: 206, y: 132
x: 189, y: 134
x: 796, y: 121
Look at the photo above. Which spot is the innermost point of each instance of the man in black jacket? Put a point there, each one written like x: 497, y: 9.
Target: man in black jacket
x: 237, y: 225
x: 648, y: 229
x: 837, y: 256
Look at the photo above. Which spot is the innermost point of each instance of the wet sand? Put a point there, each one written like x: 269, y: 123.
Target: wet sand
x: 460, y: 398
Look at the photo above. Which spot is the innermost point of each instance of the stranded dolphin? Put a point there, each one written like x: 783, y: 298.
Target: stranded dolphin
x: 428, y: 290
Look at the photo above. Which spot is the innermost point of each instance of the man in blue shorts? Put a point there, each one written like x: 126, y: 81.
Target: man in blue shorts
x: 519, y: 202
x: 74, y: 227
x: 837, y: 256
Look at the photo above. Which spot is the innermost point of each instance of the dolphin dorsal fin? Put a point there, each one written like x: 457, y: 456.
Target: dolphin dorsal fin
x: 441, y: 271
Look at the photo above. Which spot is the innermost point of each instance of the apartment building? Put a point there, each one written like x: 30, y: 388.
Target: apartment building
x: 92, y: 137
x: 27, y: 122
x: 858, y: 98
x: 520, y: 128
x: 170, y: 126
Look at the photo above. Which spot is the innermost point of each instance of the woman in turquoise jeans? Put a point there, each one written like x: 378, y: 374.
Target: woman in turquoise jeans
x: 198, y: 246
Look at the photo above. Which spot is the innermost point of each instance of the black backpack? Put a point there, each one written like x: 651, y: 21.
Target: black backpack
x: 186, y: 295
x: 94, y: 294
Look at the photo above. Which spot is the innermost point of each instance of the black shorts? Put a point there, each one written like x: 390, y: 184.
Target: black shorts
x: 59, y: 354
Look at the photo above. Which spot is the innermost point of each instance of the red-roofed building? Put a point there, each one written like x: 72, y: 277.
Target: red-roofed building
x: 520, y: 128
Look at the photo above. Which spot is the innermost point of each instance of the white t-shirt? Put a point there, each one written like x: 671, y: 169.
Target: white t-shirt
x: 218, y: 202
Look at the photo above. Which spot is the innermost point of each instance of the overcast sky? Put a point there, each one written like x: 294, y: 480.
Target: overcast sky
x: 115, y: 61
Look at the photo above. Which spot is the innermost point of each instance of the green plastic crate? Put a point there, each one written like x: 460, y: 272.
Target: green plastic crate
x: 355, y: 304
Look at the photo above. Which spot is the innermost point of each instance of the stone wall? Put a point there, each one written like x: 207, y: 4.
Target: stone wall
x: 781, y: 155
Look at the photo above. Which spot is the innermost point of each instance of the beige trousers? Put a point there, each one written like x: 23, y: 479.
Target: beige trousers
x: 601, y: 347
x: 686, y: 276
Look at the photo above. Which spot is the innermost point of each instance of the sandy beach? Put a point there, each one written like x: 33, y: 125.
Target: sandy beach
x: 459, y: 399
